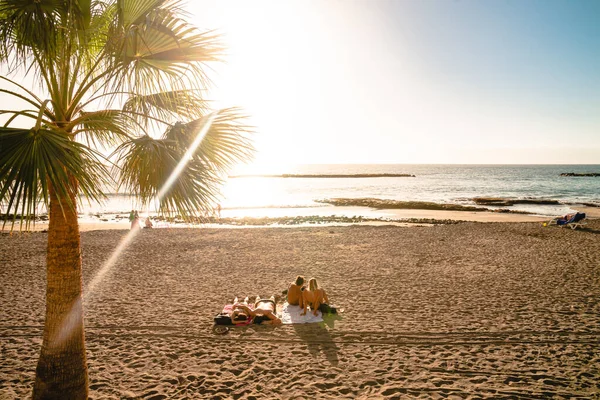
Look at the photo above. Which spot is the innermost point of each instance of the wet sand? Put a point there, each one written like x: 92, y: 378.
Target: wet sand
x: 472, y: 310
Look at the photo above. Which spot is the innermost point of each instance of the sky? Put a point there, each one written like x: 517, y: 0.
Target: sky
x: 384, y: 81
x: 419, y: 81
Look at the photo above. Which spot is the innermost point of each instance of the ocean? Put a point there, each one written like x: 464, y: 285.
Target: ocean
x: 274, y: 193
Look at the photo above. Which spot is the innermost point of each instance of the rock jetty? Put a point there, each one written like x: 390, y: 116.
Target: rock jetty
x: 502, y: 202
x: 580, y: 174
x: 326, y: 176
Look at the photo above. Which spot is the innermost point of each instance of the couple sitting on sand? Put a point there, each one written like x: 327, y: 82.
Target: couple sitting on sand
x: 298, y: 295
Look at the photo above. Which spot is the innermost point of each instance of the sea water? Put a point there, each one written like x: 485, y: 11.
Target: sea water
x: 275, y: 195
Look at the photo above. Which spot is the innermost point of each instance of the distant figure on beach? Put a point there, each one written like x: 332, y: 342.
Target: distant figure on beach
x: 134, y: 218
x: 216, y: 211
x: 294, y: 293
x: 313, y: 297
x: 263, y: 312
x: 148, y: 223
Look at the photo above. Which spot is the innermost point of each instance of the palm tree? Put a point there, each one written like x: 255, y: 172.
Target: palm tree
x: 122, y: 75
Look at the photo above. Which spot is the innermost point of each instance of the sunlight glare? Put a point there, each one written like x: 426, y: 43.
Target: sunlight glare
x: 71, y: 319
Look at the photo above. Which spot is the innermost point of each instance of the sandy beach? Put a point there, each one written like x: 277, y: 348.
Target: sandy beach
x: 465, y: 311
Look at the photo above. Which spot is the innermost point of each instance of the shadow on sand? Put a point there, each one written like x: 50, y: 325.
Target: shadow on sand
x: 318, y: 338
x: 589, y: 230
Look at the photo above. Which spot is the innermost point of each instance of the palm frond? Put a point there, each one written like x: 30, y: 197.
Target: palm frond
x: 168, y: 104
x: 226, y: 143
x: 134, y: 12
x: 101, y: 16
x: 145, y: 167
x: 105, y: 127
x: 27, y: 25
x: 162, y: 51
x: 31, y: 159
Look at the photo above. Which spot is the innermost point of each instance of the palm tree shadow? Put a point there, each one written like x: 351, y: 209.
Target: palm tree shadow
x: 318, y: 339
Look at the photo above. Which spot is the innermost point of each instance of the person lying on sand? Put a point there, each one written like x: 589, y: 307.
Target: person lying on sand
x: 294, y: 293
x: 236, y: 313
x: 263, y: 312
x: 314, y: 297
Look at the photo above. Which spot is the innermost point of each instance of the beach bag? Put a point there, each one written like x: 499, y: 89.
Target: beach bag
x: 223, y: 319
x: 327, y: 309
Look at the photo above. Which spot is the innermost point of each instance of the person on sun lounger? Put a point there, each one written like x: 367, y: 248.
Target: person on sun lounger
x: 313, y: 297
x: 294, y: 293
x: 263, y: 312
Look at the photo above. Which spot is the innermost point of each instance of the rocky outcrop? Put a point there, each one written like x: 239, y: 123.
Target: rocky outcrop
x: 326, y: 176
x: 580, y: 174
x: 502, y: 202
x: 395, y: 204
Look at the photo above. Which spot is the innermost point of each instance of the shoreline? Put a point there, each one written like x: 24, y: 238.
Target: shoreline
x: 322, y: 216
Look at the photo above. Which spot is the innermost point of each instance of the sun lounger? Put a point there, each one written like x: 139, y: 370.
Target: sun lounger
x: 572, y: 221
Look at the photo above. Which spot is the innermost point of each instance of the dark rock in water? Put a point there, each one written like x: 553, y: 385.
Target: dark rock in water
x: 492, y: 201
x: 326, y: 176
x: 580, y: 174
x: 590, y: 204
x: 395, y: 204
x: 500, y: 202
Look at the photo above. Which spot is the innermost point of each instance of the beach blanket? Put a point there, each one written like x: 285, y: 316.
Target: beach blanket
x: 291, y: 315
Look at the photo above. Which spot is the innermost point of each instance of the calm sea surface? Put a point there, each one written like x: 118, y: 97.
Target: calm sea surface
x: 278, y: 196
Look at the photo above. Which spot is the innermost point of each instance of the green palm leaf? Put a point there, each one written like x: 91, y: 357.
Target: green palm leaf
x: 29, y: 23
x: 30, y: 160
x: 161, y: 51
x: 105, y: 127
x: 166, y: 105
x: 134, y: 12
x: 146, y: 165
x: 226, y: 143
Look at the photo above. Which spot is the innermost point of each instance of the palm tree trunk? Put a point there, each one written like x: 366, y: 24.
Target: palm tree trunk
x: 61, y: 372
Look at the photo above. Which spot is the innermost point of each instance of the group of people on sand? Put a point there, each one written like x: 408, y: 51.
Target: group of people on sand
x: 264, y: 311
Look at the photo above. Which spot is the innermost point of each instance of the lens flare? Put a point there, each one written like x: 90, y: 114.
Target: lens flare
x: 71, y: 320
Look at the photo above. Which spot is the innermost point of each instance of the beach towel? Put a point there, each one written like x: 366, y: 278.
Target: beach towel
x: 291, y: 315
